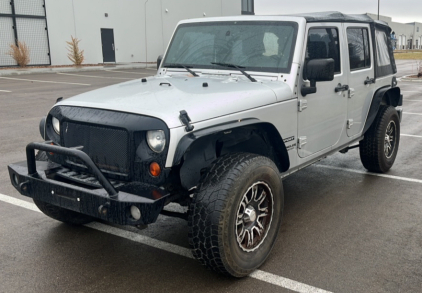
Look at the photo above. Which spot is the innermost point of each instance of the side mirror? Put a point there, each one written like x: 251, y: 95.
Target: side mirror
x: 318, y: 70
x: 159, y: 59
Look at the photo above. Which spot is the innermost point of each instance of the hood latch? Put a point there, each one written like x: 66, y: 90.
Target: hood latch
x: 184, y: 118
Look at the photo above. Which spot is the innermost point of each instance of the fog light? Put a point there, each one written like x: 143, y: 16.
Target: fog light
x: 15, y: 179
x: 155, y: 169
x: 135, y: 213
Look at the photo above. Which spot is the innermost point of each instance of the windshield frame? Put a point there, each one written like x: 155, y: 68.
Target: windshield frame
x: 287, y: 69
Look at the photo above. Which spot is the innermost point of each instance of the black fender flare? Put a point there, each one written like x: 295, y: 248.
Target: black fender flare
x: 389, y: 95
x: 204, y: 138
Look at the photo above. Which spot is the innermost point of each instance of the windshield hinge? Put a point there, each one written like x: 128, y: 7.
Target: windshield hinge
x: 184, y: 118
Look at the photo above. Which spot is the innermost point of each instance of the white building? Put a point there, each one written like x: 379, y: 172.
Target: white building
x: 119, y: 31
x: 407, y: 35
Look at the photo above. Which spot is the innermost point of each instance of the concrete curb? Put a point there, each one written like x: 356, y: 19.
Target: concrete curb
x: 407, y: 78
x: 19, y: 71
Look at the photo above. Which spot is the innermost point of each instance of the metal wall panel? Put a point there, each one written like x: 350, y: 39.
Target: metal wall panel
x: 29, y: 7
x: 33, y: 32
x: 24, y: 21
x: 5, y: 7
x: 7, y: 37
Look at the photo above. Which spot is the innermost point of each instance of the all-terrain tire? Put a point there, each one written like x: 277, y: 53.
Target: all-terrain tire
x: 378, y: 149
x: 58, y: 213
x: 233, y: 182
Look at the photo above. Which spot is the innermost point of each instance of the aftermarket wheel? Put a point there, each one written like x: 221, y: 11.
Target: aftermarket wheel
x: 236, y: 214
x: 378, y: 149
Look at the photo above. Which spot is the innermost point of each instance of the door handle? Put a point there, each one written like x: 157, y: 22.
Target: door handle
x: 113, y: 46
x: 340, y: 88
x: 369, y: 80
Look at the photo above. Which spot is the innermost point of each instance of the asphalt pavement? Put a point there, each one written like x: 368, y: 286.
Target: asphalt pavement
x: 344, y: 229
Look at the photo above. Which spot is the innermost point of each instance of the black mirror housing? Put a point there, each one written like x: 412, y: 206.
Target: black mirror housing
x: 159, y: 59
x: 317, y: 70
x: 320, y: 69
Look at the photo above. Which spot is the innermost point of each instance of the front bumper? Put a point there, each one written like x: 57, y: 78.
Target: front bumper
x: 36, y: 179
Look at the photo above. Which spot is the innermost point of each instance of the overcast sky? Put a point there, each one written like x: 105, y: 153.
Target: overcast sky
x: 400, y: 10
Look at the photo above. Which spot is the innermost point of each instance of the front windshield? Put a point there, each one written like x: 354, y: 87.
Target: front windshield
x: 253, y: 45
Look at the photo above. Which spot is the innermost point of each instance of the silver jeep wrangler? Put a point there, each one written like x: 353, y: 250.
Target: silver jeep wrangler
x: 237, y: 104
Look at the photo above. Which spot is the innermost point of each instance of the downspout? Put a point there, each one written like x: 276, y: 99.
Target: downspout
x: 146, y: 42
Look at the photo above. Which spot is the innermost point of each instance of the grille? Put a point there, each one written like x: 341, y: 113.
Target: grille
x: 107, y: 147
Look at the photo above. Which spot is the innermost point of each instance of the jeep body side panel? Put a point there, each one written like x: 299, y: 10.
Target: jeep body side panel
x: 361, y: 75
x: 321, y: 124
x: 282, y: 115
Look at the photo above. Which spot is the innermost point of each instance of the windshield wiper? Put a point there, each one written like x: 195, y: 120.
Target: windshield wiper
x: 174, y: 65
x: 237, y: 67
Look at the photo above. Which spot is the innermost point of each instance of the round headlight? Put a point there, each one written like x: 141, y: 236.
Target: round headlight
x: 56, y: 124
x: 156, y: 140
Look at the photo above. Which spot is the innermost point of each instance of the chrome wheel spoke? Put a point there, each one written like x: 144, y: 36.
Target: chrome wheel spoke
x: 254, y: 215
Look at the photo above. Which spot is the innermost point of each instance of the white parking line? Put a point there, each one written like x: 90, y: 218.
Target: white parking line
x: 110, y: 70
x: 411, y: 135
x: 419, y: 92
x: 258, y: 274
x: 420, y: 114
x: 46, y: 81
x: 406, y: 100
x: 94, y: 76
x: 4, y: 91
x: 370, y: 173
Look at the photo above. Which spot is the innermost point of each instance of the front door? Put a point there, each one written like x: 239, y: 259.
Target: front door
x: 107, y: 40
x: 322, y: 122
x: 361, y: 76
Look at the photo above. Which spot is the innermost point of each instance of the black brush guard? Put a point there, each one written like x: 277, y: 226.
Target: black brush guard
x: 30, y: 179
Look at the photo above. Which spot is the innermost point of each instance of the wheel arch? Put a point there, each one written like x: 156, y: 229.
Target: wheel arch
x: 197, y: 150
x: 384, y: 96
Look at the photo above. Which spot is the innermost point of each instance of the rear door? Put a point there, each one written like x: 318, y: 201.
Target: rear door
x: 321, y: 123
x: 360, y: 67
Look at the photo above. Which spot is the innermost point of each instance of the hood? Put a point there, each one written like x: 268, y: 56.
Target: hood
x: 164, y: 97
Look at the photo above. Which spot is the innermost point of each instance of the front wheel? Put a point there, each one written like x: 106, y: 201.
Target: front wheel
x: 236, y: 214
x: 378, y: 149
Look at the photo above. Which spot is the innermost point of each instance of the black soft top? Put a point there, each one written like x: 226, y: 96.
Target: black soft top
x: 335, y: 16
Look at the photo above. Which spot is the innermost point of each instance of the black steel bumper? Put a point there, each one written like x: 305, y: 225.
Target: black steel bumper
x: 36, y: 180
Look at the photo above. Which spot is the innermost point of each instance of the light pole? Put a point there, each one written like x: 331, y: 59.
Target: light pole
x: 378, y: 9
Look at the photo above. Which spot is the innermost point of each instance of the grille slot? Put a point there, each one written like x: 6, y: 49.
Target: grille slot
x: 107, y: 147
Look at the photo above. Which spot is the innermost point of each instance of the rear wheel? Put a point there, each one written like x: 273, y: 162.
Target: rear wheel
x: 378, y: 149
x: 235, y: 216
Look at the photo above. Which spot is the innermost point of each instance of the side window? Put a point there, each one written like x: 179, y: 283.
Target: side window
x: 358, y: 43
x: 383, y: 56
x: 324, y: 43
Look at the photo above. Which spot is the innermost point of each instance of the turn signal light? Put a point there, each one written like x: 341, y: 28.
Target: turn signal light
x: 155, y: 169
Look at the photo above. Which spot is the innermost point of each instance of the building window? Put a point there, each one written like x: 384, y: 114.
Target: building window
x: 248, y: 7
x: 417, y: 29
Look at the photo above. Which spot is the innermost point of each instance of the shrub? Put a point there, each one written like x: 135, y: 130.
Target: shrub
x: 75, y: 54
x: 19, y: 53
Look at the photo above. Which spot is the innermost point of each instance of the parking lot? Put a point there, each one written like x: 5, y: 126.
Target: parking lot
x: 344, y: 229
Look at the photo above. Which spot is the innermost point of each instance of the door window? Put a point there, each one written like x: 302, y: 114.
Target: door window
x: 358, y: 43
x: 324, y: 43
